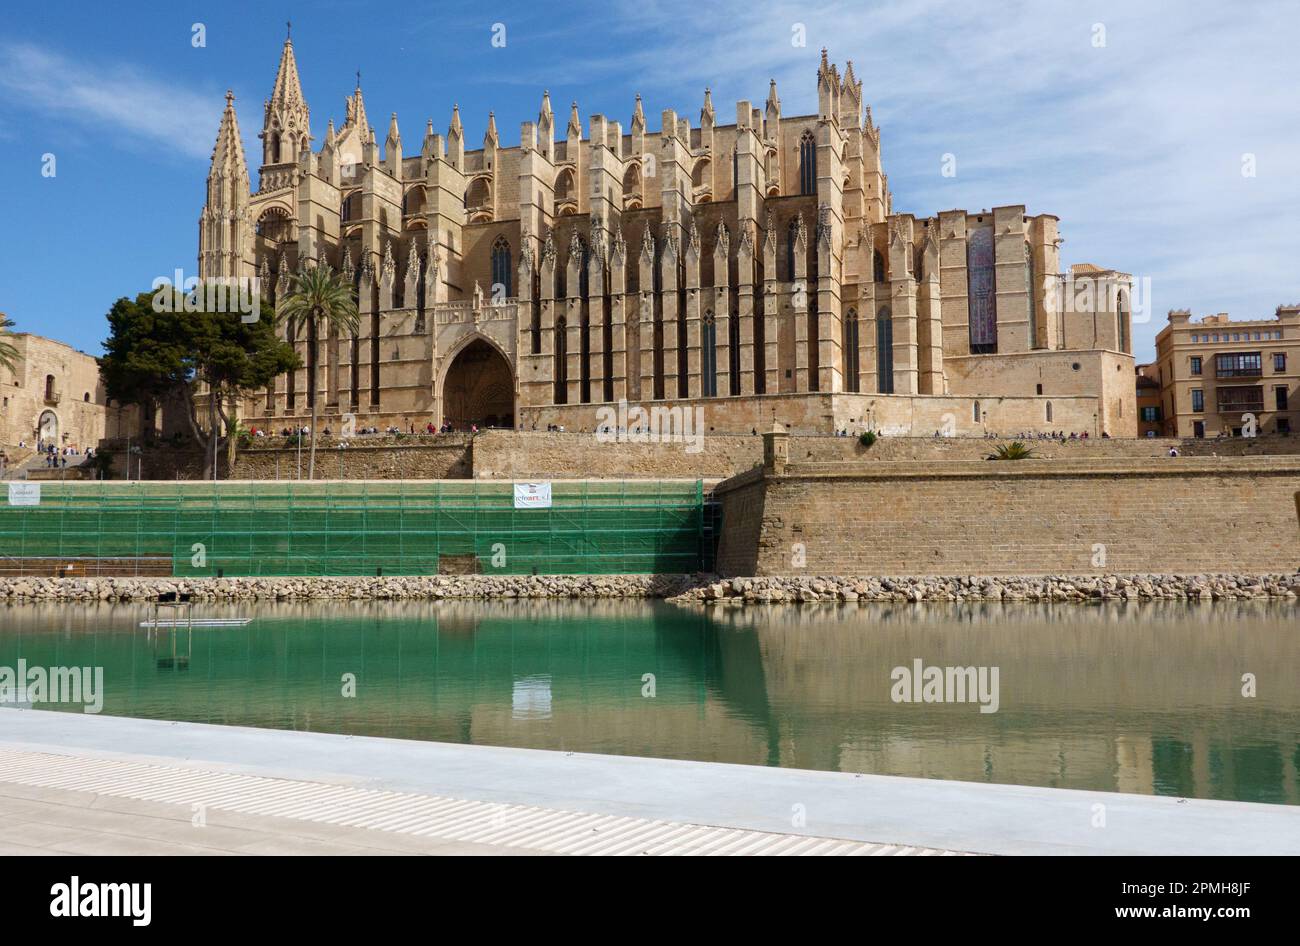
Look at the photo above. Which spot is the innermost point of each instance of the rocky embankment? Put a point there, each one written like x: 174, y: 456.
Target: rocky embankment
x: 1002, y: 588
x: 686, y: 588
x: 387, y: 588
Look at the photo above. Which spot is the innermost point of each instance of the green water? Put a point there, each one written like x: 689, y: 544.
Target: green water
x: 1137, y: 698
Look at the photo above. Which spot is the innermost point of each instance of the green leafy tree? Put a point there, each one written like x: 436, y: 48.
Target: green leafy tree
x: 9, y: 356
x: 322, y: 297
x: 162, y: 357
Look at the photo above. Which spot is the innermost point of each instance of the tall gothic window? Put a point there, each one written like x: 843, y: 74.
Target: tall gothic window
x: 561, y: 362
x: 1031, y: 285
x: 877, y: 266
x: 791, y: 242
x: 709, y: 356
x: 884, y: 351
x: 537, y: 312
x: 582, y: 271
x: 807, y: 164
x: 501, y: 267
x: 1121, y: 313
x: 850, y: 343
x: 982, y: 292
x: 733, y: 348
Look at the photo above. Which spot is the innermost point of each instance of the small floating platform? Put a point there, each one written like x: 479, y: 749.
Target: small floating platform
x: 199, y: 622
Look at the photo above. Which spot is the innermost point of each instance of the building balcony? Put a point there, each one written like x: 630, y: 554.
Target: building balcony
x: 1239, y: 373
x: 1241, y: 406
x: 52, y: 398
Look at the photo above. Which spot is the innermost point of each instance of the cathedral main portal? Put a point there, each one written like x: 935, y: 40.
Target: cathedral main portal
x: 478, y: 389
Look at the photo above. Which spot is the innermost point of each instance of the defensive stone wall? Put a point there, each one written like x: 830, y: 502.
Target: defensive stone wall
x: 1030, y: 517
x: 504, y: 454
x: 445, y: 457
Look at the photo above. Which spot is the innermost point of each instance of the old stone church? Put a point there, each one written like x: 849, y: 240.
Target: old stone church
x: 756, y: 268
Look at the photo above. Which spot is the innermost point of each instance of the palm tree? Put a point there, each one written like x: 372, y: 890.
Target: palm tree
x: 9, y: 356
x: 1012, y: 451
x: 320, y: 297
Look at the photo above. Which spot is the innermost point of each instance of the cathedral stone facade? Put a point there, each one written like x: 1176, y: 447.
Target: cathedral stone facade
x: 756, y: 269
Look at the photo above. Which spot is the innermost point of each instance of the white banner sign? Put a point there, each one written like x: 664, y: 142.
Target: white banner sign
x: 532, y: 495
x: 29, y: 494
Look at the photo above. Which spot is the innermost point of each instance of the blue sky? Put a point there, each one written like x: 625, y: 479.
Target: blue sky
x: 1130, y: 121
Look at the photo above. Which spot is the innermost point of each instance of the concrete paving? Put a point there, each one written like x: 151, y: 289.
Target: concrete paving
x: 47, y: 821
x: 880, y: 810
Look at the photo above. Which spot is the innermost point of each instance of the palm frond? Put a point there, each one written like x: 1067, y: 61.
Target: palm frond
x: 9, y: 356
x: 318, y: 292
x: 1012, y: 451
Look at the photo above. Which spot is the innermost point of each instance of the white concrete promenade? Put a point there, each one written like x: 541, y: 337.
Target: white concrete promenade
x: 80, y: 783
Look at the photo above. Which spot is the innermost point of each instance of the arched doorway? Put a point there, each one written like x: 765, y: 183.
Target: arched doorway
x: 47, y: 429
x: 478, y: 388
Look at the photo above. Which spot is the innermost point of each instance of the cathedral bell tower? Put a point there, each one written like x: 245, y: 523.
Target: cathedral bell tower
x: 286, y: 126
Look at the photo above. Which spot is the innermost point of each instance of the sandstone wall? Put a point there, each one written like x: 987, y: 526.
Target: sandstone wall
x: 425, y: 458
x: 502, y: 454
x: 897, y: 415
x: 1072, y: 517
x: 507, y: 454
x: 71, y: 409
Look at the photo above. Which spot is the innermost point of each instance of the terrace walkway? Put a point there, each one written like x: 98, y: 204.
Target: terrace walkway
x: 98, y: 784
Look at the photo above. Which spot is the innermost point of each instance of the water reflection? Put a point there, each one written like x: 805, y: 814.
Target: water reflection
x: 1140, y: 698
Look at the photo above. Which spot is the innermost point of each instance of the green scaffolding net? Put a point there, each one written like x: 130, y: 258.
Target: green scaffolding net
x: 356, y: 528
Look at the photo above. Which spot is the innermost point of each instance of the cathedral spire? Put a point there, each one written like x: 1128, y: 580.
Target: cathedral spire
x: 490, y: 136
x: 638, y: 114
x: 706, y: 112
x: 546, y: 125
x: 575, y: 122
x: 432, y: 145
x: 288, y: 89
x: 850, y: 80
x: 228, y: 153
x: 772, y: 113
x: 456, y: 140
x: 393, y: 148
x: 225, y: 227
x: 286, y: 125
x: 356, y: 111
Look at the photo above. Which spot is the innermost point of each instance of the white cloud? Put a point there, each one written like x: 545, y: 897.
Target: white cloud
x: 113, y: 99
